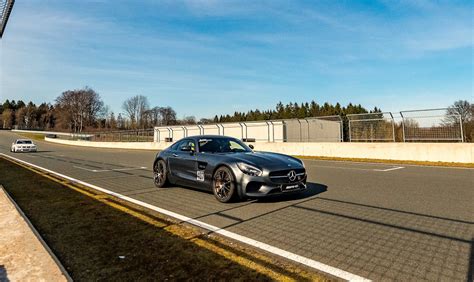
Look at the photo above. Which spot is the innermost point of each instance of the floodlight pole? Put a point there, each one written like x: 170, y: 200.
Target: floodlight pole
x: 5, y: 14
x: 462, y: 131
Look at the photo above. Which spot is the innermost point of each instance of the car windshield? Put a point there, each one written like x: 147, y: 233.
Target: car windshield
x: 24, y: 142
x: 222, y: 145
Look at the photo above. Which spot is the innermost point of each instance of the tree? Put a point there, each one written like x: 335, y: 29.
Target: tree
x: 188, y: 120
x: 168, y: 116
x: 120, y: 121
x: 79, y: 108
x: 461, y: 111
x: 136, y: 108
x: 7, y: 118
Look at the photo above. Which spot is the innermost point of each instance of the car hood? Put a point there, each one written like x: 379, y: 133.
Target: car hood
x: 268, y: 160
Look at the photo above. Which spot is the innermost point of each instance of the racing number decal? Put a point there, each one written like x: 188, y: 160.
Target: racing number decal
x: 200, y: 175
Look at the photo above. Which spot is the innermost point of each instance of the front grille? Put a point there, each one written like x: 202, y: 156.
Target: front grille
x: 281, y: 176
x: 286, y: 171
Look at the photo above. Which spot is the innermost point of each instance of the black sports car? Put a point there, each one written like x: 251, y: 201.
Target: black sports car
x: 228, y: 167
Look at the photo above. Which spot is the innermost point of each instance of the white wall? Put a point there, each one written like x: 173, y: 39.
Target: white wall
x: 42, y: 132
x: 113, y: 145
x: 431, y: 152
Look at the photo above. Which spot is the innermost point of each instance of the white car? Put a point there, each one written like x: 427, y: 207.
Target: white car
x: 23, y: 145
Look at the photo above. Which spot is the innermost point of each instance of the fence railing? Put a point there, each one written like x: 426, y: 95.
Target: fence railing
x: 139, y: 135
x: 432, y: 125
x: 371, y: 127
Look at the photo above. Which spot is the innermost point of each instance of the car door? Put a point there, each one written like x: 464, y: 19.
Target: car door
x: 182, y: 163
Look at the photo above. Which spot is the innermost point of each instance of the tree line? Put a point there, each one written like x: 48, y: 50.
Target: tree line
x: 84, y: 110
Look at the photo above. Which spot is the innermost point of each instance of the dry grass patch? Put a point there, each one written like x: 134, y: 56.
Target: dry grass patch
x: 98, y: 237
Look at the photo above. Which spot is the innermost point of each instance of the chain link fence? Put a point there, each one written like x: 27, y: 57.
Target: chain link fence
x: 139, y: 135
x: 433, y: 125
x: 371, y: 127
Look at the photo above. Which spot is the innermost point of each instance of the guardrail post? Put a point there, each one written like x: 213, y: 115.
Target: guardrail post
x: 241, y: 131
x: 350, y: 132
x: 307, y: 122
x: 403, y: 127
x: 393, y: 126
x: 341, y: 128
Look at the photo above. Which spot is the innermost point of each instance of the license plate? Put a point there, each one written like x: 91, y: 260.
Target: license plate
x: 291, y: 187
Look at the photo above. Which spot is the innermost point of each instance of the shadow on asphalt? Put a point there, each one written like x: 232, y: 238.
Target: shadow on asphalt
x: 3, y: 274
x: 311, y: 190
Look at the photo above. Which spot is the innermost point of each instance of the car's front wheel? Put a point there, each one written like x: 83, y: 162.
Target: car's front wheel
x: 160, y: 174
x: 223, y: 185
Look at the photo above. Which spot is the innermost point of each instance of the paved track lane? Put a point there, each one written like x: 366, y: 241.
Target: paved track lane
x: 379, y: 221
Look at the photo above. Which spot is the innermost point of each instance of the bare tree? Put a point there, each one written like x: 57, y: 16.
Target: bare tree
x: 8, y: 118
x: 461, y: 109
x: 79, y: 108
x: 136, y: 109
x: 168, y: 116
x: 188, y: 120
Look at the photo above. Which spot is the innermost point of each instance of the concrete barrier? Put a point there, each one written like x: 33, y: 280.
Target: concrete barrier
x: 430, y: 152
x: 112, y: 145
x: 42, y: 132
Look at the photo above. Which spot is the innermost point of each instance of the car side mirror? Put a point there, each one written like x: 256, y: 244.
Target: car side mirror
x: 251, y: 146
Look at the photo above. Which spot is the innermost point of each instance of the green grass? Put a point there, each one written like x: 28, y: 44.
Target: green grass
x: 33, y: 136
x: 89, y: 236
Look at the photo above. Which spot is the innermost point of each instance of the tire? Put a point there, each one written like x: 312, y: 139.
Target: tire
x: 160, y: 174
x: 223, y: 185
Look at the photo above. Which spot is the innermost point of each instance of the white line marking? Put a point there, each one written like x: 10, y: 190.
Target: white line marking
x: 268, y: 248
x: 358, y: 168
x: 106, y: 170
x: 389, y: 169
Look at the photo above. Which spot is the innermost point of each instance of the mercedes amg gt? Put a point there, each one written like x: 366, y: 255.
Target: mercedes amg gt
x: 227, y: 167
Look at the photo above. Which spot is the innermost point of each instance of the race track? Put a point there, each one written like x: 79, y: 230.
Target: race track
x: 378, y: 221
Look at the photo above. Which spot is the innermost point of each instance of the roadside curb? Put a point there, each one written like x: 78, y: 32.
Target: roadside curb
x: 37, y: 235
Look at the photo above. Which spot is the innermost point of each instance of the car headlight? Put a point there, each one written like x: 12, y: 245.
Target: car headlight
x: 249, y: 169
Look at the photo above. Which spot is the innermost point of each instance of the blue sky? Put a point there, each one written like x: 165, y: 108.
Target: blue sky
x: 207, y: 57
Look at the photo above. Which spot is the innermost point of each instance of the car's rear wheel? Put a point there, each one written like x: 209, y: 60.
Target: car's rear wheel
x: 160, y: 174
x: 223, y: 185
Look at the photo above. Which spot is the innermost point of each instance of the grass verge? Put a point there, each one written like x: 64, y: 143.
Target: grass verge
x: 445, y: 164
x: 33, y: 136
x: 98, y: 237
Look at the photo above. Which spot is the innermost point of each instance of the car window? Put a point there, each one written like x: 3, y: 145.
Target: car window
x: 221, y: 145
x: 176, y: 145
x: 189, y: 143
x: 236, y: 147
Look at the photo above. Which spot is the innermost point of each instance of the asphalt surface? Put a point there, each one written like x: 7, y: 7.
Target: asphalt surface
x: 379, y: 221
